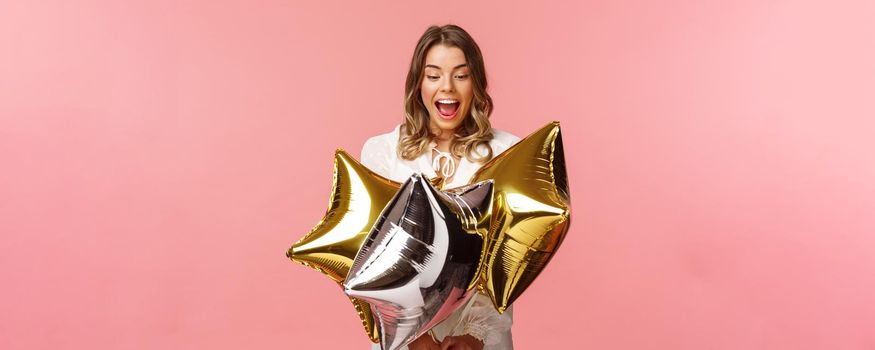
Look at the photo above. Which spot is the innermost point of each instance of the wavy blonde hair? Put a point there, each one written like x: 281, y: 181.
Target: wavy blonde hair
x: 475, y: 130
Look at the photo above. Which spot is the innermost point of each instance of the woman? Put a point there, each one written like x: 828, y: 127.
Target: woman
x: 446, y: 133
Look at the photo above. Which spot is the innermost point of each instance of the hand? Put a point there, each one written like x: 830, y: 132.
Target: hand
x: 463, y: 342
x: 424, y: 342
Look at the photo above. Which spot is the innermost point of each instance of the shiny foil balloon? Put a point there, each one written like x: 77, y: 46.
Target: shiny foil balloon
x: 358, y: 196
x: 420, y: 262
x: 530, y: 213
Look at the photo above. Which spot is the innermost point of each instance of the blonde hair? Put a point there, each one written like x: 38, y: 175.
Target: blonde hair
x: 474, y: 130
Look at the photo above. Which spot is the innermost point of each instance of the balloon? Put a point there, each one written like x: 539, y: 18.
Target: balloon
x: 420, y: 261
x: 530, y: 214
x: 521, y: 230
x: 358, y: 196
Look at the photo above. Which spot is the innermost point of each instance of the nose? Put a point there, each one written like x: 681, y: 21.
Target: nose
x: 447, y: 85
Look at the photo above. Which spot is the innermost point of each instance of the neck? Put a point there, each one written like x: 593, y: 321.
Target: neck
x: 446, y: 136
x: 443, y: 138
x: 443, y: 144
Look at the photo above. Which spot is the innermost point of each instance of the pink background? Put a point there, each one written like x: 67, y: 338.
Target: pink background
x: 159, y: 157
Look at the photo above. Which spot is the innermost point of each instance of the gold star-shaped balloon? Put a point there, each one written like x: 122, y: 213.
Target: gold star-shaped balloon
x: 530, y: 213
x: 358, y: 196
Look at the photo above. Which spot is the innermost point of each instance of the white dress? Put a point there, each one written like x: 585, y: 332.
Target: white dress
x: 478, y: 317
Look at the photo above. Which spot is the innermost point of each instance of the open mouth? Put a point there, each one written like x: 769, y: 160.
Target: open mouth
x: 447, y: 108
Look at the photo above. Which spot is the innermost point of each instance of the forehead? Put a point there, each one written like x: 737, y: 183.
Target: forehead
x: 445, y: 56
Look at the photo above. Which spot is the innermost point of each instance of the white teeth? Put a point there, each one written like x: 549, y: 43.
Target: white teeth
x: 447, y: 101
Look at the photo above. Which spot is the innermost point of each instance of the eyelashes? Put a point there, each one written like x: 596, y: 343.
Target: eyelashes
x: 460, y: 77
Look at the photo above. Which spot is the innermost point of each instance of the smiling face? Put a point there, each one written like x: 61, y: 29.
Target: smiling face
x: 446, y: 89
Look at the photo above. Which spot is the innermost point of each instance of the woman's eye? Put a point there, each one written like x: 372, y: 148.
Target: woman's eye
x: 462, y: 76
x: 432, y: 77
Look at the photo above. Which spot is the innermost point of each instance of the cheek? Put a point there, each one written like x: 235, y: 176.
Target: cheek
x: 426, y: 94
x: 466, y: 89
x: 468, y: 93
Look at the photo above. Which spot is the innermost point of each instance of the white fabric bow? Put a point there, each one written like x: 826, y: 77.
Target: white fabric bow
x: 446, y: 169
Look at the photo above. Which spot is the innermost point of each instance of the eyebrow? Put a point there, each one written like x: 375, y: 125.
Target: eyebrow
x: 456, y: 67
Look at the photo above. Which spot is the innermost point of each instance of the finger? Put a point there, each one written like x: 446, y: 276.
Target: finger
x: 448, y: 342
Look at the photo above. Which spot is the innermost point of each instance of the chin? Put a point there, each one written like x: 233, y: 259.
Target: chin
x: 447, y: 124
